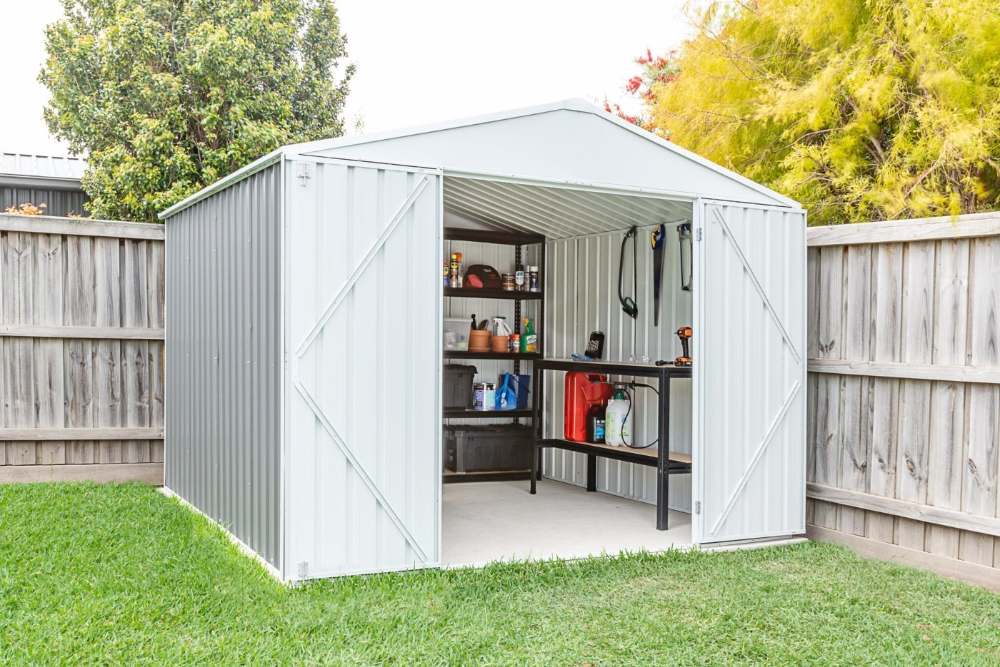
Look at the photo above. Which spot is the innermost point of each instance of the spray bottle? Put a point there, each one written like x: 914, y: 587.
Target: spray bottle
x: 618, y: 418
x: 529, y: 339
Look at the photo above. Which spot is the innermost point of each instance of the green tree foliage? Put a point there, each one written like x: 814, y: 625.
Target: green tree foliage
x: 167, y: 96
x: 860, y: 109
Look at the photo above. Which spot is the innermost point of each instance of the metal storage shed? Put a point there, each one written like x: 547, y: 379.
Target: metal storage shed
x: 304, y: 373
x: 40, y: 179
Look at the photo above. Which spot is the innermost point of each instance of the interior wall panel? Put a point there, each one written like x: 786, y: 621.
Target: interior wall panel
x: 582, y: 296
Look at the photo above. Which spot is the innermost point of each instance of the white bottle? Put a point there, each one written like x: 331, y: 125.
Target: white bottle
x: 618, y: 420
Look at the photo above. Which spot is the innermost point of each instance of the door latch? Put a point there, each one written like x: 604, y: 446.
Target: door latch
x: 302, y: 171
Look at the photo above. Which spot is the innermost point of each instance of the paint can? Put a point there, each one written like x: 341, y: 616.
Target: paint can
x: 484, y: 396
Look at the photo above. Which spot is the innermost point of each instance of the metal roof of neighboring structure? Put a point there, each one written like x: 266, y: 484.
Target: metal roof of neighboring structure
x: 45, y: 171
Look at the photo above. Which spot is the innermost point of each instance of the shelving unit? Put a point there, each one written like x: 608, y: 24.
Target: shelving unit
x: 522, y: 356
x: 469, y: 413
x: 517, y: 240
x: 483, y: 293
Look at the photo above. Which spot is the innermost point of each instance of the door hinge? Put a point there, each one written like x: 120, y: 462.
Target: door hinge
x: 304, y: 570
x: 302, y: 171
x: 697, y: 234
x: 697, y: 507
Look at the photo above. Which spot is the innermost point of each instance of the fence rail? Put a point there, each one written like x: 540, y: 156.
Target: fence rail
x: 81, y: 332
x: 904, y: 389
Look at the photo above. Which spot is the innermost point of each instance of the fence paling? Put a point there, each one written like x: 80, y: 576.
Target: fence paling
x: 905, y: 384
x: 81, y: 332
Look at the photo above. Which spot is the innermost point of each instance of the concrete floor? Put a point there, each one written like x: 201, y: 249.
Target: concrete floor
x: 488, y: 521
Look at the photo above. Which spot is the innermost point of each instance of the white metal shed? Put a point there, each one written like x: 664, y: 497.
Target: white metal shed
x: 304, y: 376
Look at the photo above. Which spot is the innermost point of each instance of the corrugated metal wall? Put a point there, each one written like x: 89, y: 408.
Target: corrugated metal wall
x: 750, y: 373
x: 363, y: 466
x: 223, y: 379
x: 57, y: 202
x: 582, y: 292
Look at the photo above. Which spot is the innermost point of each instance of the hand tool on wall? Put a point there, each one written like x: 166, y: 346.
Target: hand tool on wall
x: 628, y: 304
x: 656, y: 239
x: 686, y: 253
x: 684, y: 333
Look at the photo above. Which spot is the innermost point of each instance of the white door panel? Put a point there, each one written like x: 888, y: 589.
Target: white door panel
x: 363, y: 417
x: 749, y: 353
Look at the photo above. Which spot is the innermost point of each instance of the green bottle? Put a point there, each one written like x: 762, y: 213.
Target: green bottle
x: 529, y: 339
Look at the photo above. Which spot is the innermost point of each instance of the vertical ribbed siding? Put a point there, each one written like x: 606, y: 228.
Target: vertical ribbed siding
x: 582, y: 288
x: 750, y: 373
x: 223, y: 359
x: 362, y: 394
x: 57, y: 202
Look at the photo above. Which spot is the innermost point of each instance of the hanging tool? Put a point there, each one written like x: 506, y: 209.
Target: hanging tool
x: 628, y: 304
x: 684, y: 333
x: 684, y: 238
x: 656, y: 238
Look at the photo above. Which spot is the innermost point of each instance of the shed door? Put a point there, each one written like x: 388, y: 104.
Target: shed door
x: 362, y: 447
x: 749, y: 373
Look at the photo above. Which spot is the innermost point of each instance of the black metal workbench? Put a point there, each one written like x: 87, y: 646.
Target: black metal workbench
x: 665, y: 463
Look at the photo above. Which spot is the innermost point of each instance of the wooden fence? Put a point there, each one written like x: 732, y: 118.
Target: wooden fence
x: 81, y: 329
x: 904, y: 391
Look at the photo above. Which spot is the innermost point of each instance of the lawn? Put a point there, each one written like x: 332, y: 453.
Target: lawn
x: 122, y: 574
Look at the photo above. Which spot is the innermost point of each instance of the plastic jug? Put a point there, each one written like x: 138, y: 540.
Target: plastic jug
x: 618, y: 420
x: 582, y: 391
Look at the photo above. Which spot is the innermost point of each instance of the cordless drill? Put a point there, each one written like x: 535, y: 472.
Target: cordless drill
x: 684, y: 333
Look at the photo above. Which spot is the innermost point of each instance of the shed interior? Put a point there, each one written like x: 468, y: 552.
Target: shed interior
x: 503, y: 224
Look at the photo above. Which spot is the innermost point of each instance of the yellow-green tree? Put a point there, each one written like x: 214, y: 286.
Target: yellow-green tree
x: 860, y: 109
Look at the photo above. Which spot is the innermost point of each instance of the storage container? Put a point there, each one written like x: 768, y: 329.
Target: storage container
x: 476, y: 448
x: 457, y: 390
x: 456, y: 333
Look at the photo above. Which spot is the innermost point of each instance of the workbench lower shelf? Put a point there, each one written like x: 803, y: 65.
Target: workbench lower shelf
x: 679, y: 463
x: 451, y: 477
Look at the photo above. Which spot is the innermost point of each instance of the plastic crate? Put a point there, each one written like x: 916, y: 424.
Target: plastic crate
x: 476, y: 448
x: 458, y: 381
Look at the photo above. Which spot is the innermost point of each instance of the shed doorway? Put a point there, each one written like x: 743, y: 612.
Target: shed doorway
x: 591, y: 499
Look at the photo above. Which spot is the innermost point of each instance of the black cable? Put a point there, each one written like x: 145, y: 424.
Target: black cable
x: 629, y: 411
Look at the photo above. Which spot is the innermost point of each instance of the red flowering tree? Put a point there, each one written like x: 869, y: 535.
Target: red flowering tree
x: 655, y: 71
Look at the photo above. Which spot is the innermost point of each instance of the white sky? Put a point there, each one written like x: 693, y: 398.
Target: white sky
x: 418, y: 62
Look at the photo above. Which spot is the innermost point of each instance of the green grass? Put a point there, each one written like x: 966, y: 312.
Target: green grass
x: 121, y: 574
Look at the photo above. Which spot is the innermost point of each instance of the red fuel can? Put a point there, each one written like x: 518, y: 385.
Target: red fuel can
x: 583, y: 390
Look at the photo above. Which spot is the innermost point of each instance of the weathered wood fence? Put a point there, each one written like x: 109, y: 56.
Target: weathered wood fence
x: 81, y: 329
x: 904, y: 391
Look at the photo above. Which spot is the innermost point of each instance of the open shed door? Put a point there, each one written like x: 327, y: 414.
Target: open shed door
x: 749, y: 372
x: 362, y: 445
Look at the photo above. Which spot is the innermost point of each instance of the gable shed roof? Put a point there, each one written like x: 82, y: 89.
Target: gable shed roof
x: 561, y: 144
x: 571, y: 141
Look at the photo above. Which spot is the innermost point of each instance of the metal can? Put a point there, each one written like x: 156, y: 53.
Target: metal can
x: 484, y: 396
x: 515, y: 342
x: 508, y: 282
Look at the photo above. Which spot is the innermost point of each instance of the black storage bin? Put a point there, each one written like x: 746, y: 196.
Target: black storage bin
x: 458, y: 381
x: 475, y: 448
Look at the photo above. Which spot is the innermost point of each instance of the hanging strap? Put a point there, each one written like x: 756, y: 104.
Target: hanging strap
x: 628, y: 303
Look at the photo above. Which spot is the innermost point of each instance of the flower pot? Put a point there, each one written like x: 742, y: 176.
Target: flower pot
x: 499, y: 343
x: 479, y: 340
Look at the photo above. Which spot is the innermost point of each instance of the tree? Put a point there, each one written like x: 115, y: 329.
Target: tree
x: 860, y: 109
x: 167, y: 96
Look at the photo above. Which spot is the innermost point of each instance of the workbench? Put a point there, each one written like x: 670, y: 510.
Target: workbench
x: 666, y: 462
